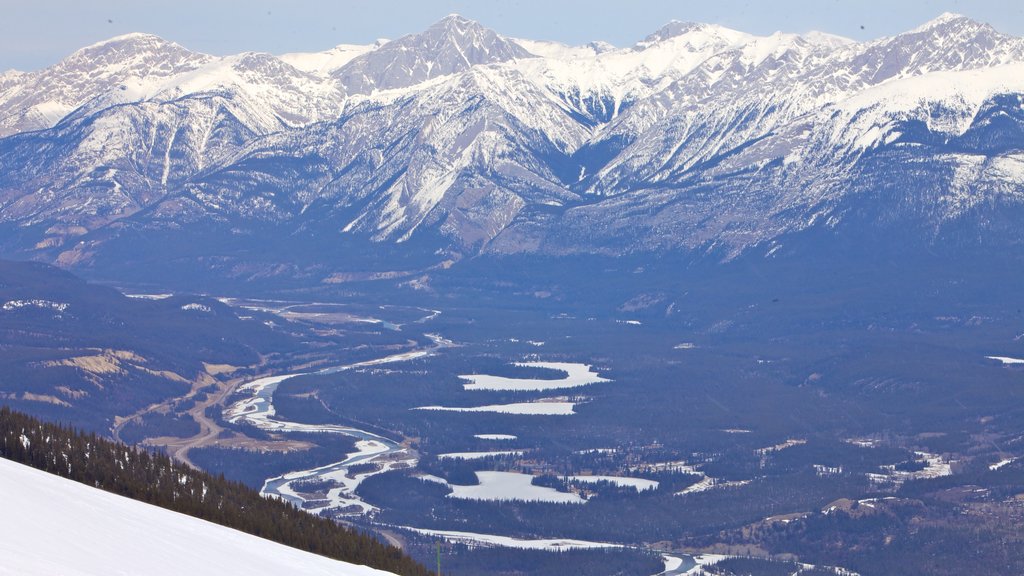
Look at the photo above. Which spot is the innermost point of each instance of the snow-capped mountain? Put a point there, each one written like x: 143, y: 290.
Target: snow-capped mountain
x: 36, y: 100
x: 450, y: 46
x: 459, y: 141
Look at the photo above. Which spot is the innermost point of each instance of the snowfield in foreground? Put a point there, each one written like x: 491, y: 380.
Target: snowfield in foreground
x: 56, y: 526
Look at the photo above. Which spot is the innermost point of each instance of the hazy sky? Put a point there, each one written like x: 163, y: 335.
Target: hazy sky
x: 37, y: 33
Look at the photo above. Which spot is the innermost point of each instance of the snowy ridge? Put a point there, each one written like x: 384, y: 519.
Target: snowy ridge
x: 40, y: 99
x: 329, y: 61
x: 64, y: 527
x: 697, y: 138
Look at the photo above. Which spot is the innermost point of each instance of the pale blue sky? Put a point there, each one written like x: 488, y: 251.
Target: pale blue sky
x: 37, y: 33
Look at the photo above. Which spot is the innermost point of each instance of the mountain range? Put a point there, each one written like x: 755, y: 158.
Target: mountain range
x: 459, y: 142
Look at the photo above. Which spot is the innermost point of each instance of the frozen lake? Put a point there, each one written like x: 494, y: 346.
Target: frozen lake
x: 576, y: 375
x: 511, y: 486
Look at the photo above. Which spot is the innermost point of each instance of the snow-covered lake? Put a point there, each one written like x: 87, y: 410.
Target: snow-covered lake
x: 1006, y: 360
x: 550, y: 544
x: 511, y: 486
x: 576, y: 375
x: 495, y: 436
x: 639, y: 484
x: 477, y: 455
x: 520, y: 408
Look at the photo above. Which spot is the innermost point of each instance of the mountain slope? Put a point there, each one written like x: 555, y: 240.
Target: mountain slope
x: 457, y: 142
x: 37, y: 100
x: 176, y: 488
x: 86, y: 354
x: 58, y: 526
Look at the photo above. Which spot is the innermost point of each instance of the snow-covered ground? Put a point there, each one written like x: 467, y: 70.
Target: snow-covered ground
x: 1006, y: 360
x: 709, y: 483
x: 511, y: 486
x: 576, y: 375
x: 477, y: 455
x: 521, y: 408
x: 639, y: 484
x: 495, y: 436
x: 56, y: 526
x: 550, y: 544
x: 935, y: 467
x: 782, y: 446
x: 1001, y: 463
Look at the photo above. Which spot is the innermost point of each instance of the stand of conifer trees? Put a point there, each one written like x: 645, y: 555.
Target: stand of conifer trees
x: 156, y: 479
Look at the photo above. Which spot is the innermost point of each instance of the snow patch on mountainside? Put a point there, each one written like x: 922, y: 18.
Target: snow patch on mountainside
x: 947, y: 102
x: 328, y: 61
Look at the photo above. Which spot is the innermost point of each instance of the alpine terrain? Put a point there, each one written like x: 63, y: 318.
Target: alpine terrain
x: 457, y: 142
x: 707, y: 305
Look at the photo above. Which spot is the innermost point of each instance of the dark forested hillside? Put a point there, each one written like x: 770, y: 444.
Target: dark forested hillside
x: 84, y: 353
x: 155, y: 479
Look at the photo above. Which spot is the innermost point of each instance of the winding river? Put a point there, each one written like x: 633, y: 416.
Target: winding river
x: 258, y: 410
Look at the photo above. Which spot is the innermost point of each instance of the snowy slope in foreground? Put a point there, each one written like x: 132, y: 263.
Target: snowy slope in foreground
x: 56, y: 526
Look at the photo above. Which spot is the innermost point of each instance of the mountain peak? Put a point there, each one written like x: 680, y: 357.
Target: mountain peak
x: 135, y: 50
x: 948, y: 17
x: 131, y: 41
x: 456, y: 28
x: 451, y: 45
x: 698, y: 31
x: 951, y: 21
x: 454, y: 20
x: 671, y: 30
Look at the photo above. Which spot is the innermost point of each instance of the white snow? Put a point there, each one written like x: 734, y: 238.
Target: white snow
x: 1006, y: 360
x: 961, y: 93
x: 511, y: 486
x: 781, y: 446
x: 149, y: 296
x: 35, y: 303
x: 672, y: 563
x: 704, y: 560
x: 495, y: 436
x: 323, y: 63
x: 935, y: 467
x: 71, y: 529
x: 478, y: 455
x: 639, y: 484
x: 709, y: 483
x: 550, y: 544
x: 1001, y: 463
x: 519, y: 408
x: 576, y: 375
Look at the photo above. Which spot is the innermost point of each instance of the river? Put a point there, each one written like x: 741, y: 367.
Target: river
x: 258, y: 410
